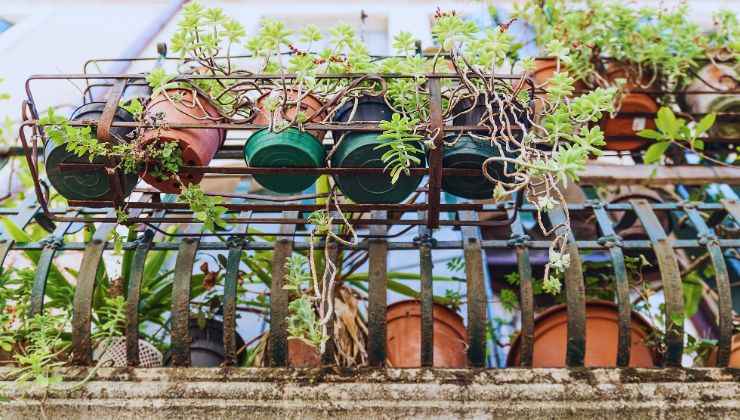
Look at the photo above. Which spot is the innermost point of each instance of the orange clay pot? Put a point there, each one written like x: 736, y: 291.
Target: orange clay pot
x: 551, y: 338
x: 628, y: 126
x: 198, y: 145
x: 309, y: 106
x: 734, y: 354
x: 404, y: 336
x: 301, y: 354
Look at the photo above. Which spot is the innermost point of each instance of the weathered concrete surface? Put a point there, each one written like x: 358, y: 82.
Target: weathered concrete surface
x: 433, y: 393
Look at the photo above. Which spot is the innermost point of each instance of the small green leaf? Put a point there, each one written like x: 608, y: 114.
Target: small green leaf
x: 650, y: 134
x: 705, y: 123
x: 656, y: 151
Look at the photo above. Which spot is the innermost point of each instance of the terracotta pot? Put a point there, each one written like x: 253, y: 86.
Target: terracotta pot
x: 628, y: 126
x: 602, y: 332
x: 301, y: 354
x: 198, y: 145
x: 734, y: 354
x: 404, y: 336
x: 720, y: 78
x: 309, y: 105
x: 543, y: 71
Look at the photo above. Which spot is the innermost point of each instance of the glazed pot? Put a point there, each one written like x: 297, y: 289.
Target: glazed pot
x: 359, y: 150
x: 720, y: 78
x: 468, y: 153
x: 302, y: 354
x: 198, y: 145
x: 602, y: 334
x: 289, y: 148
x: 86, y: 184
x: 624, y: 126
x: 207, y: 344
x: 472, y: 113
x: 403, y: 321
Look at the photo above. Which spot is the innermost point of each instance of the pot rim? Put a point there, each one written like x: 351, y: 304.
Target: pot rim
x: 445, y: 309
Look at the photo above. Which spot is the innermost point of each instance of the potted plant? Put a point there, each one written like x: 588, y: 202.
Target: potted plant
x: 403, y: 320
x: 59, y: 149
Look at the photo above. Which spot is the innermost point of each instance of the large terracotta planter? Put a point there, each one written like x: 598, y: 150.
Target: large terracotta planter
x: 404, y: 336
x: 198, y: 145
x: 698, y: 98
x: 302, y: 354
x: 734, y: 354
x: 602, y: 332
x: 624, y: 126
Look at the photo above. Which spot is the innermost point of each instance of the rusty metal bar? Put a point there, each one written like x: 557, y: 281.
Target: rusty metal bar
x: 181, y: 302
x: 476, y: 292
x: 138, y: 264
x: 575, y: 294
x: 83, y: 300
x: 283, y: 248
x: 671, y: 276
x: 233, y: 260
x: 377, y: 292
x: 722, y: 279
x: 425, y: 243
x: 435, y: 155
x: 613, y: 242
x: 520, y: 240
x: 51, y: 245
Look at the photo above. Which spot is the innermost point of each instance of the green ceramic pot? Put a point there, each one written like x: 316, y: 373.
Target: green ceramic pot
x: 82, y: 184
x: 290, y: 148
x: 357, y: 150
x: 470, y: 154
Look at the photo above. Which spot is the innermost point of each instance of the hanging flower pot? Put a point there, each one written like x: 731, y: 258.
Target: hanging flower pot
x: 86, y: 184
x: 602, y: 334
x: 544, y: 69
x: 403, y: 321
x: 720, y: 78
x: 359, y: 150
x: 469, y: 153
x: 623, y: 126
x: 197, y: 145
x: 207, y: 344
x: 288, y: 148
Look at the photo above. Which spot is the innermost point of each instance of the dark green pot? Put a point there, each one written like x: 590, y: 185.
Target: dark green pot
x: 81, y: 184
x: 357, y: 150
x: 290, y: 148
x: 470, y: 154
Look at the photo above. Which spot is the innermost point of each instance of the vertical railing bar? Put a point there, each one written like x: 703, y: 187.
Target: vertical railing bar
x: 136, y: 276
x: 51, y: 244
x: 377, y: 291
x: 519, y: 240
x: 613, y: 243
x: 283, y: 248
x: 671, y: 277
x: 722, y: 279
x: 233, y: 260
x: 82, y: 346
x: 181, y: 301
x: 733, y: 208
x: 427, y: 295
x: 435, y: 154
x: 476, y: 294
x: 575, y: 294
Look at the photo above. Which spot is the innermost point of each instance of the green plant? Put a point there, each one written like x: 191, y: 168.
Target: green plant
x: 402, y: 143
x: 674, y: 130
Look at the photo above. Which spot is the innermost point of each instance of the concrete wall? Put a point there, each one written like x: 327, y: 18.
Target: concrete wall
x: 274, y: 393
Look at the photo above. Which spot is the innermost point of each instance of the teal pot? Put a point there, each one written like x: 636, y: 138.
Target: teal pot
x: 358, y: 150
x: 290, y: 148
x: 468, y: 153
x: 369, y: 109
x: 721, y: 78
x: 86, y: 184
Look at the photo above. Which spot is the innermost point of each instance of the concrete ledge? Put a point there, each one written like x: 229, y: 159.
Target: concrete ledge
x: 372, y: 393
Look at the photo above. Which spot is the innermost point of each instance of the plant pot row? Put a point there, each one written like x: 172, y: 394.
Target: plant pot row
x: 697, y: 98
x: 270, y: 148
